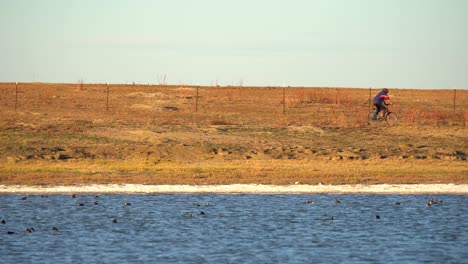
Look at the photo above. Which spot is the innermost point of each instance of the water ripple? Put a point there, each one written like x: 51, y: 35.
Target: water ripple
x: 244, y: 228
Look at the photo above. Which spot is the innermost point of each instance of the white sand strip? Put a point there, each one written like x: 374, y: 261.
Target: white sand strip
x: 239, y: 188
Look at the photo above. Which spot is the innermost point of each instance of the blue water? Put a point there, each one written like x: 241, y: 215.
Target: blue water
x: 233, y: 229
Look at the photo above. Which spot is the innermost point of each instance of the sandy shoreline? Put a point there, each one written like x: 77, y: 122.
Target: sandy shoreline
x: 239, y: 189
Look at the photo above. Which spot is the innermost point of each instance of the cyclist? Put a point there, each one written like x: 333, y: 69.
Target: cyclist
x: 381, y: 100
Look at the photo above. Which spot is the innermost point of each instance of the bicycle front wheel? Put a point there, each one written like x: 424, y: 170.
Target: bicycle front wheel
x: 392, y: 119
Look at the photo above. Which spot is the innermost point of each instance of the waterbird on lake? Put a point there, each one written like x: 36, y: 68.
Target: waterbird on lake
x: 80, y: 204
x: 337, y: 201
x: 10, y: 232
x: 126, y: 203
x: 310, y: 202
x: 377, y: 216
x: 44, y: 196
x: 29, y: 230
x: 326, y: 217
x: 432, y: 201
x: 114, y: 221
x: 397, y: 203
x: 24, y: 198
x: 73, y: 195
x: 55, y: 228
x: 202, y: 213
x: 189, y: 215
x: 3, y: 221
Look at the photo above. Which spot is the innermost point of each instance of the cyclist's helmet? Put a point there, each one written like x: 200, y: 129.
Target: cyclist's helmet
x: 385, y: 90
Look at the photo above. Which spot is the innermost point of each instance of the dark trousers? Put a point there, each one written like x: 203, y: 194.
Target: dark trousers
x: 380, y: 106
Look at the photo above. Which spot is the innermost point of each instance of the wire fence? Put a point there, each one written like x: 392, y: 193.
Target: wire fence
x: 266, y: 106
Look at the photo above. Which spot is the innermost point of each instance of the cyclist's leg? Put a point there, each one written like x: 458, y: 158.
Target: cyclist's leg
x: 377, y: 106
x: 384, y: 109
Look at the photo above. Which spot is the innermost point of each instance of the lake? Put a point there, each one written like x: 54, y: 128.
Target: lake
x: 233, y: 228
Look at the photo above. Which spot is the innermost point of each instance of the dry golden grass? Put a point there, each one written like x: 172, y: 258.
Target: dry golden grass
x: 140, y: 104
x: 262, y: 172
x: 68, y: 133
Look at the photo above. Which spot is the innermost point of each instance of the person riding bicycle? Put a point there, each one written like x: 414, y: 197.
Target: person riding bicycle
x: 381, y: 100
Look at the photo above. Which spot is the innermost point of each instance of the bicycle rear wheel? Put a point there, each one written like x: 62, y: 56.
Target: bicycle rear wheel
x: 370, y: 115
x: 392, y: 119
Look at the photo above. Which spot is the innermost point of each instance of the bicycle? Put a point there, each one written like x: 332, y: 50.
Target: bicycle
x: 390, y: 117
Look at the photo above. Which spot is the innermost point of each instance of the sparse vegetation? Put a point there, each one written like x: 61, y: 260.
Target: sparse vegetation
x: 63, y: 134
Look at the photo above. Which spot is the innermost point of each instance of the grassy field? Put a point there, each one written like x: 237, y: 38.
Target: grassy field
x: 73, y: 133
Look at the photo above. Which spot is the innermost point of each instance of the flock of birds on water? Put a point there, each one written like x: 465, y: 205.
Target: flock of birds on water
x: 429, y: 203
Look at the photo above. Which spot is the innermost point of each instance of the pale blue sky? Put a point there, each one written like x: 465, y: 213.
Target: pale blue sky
x: 346, y: 43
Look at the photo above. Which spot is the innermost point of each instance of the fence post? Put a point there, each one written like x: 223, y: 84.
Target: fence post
x: 336, y: 96
x: 370, y: 96
x: 454, y: 99
x: 284, y: 100
x: 16, y: 95
x: 107, y: 97
x: 196, y: 101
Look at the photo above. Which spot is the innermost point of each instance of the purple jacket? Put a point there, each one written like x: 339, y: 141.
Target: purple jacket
x: 380, y: 97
